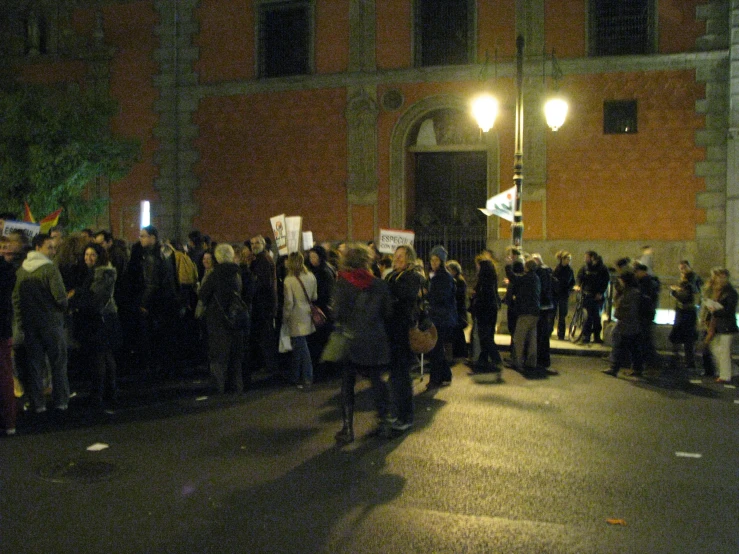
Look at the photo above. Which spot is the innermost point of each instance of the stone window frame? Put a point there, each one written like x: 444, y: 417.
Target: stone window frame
x: 651, y: 40
x: 417, y: 31
x: 259, y: 7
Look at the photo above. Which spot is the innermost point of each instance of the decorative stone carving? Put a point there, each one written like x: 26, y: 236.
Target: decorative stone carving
x: 361, y: 117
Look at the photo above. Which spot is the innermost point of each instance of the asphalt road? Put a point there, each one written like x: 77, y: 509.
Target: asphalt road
x: 522, y: 466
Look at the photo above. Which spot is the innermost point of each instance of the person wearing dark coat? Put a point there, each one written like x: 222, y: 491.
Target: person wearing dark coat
x: 158, y: 306
x: 225, y: 345
x: 593, y: 280
x: 443, y: 312
x: 96, y: 324
x: 325, y: 278
x: 405, y: 286
x: 459, y: 340
x: 546, y: 314
x: 484, y: 309
x: 722, y: 325
x: 684, y: 329
x: 264, y: 307
x: 563, y: 280
x: 627, y: 344
x: 526, y: 294
x: 362, y: 308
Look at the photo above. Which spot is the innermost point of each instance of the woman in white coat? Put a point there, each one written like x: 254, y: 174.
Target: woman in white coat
x: 300, y: 290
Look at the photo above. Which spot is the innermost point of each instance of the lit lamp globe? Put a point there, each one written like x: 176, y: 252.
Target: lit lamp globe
x: 485, y: 110
x: 555, y: 111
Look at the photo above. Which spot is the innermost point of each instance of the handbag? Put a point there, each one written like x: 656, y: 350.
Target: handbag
x: 423, y: 335
x: 237, y: 316
x: 316, y: 314
x: 337, y: 346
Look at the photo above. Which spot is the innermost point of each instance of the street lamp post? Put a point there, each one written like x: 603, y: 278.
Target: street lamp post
x: 485, y: 110
x: 517, y: 226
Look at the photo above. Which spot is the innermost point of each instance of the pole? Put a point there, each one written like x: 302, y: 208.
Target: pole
x: 517, y: 225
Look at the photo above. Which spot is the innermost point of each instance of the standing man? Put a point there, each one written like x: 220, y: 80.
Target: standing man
x: 39, y: 304
x: 593, y: 279
x: 264, y: 306
x: 649, y: 287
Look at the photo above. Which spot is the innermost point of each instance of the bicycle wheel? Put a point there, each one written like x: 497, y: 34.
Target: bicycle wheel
x: 577, y: 323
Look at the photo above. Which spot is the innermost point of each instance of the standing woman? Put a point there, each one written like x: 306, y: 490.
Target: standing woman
x: 459, y: 341
x: 563, y: 281
x: 300, y: 291
x: 361, y: 307
x: 443, y: 312
x: 405, y: 286
x: 484, y: 308
x: 325, y: 279
x: 96, y: 323
x: 723, y: 322
x: 225, y: 345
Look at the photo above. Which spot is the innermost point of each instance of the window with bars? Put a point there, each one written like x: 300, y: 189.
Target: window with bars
x: 285, y: 38
x: 444, y: 32
x: 622, y: 27
x: 619, y: 117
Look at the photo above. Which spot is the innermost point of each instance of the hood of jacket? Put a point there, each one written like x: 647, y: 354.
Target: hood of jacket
x: 34, y: 260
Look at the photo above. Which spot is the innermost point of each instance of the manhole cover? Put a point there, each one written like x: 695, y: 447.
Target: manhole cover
x: 78, y: 471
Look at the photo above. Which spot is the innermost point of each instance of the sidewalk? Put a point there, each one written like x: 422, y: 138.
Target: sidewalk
x: 562, y: 347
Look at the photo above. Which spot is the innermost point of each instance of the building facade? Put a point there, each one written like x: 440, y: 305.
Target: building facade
x: 355, y: 114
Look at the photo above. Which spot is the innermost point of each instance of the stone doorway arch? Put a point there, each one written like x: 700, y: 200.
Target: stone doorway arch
x: 403, y: 145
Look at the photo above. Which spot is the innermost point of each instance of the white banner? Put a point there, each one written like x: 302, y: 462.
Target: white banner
x: 390, y: 239
x: 279, y: 228
x: 502, y: 204
x: 28, y: 229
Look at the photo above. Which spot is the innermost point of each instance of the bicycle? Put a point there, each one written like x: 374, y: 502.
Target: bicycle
x: 578, y: 319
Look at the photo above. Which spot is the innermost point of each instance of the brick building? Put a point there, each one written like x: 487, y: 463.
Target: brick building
x: 355, y: 114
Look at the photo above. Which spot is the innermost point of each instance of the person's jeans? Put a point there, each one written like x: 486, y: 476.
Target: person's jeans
x: 401, y: 384
x: 721, y: 351
x: 301, y: 362
x: 524, y: 340
x: 562, y: 305
x: 593, y: 308
x: 489, y: 353
x: 439, y: 370
x: 48, y: 342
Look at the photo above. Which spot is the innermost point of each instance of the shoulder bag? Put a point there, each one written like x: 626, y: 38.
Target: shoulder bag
x: 237, y: 315
x: 316, y: 313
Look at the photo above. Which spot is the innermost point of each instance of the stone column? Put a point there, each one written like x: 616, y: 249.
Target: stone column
x: 175, y: 130
x: 361, y: 114
x: 732, y: 148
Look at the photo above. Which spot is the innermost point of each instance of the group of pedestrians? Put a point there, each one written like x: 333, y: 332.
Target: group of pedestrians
x: 88, y: 300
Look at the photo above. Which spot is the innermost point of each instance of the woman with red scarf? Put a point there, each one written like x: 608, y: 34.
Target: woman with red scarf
x: 361, y: 307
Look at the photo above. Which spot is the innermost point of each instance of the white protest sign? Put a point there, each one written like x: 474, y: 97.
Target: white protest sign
x: 307, y: 240
x: 293, y: 224
x: 279, y: 228
x: 28, y: 229
x: 390, y: 239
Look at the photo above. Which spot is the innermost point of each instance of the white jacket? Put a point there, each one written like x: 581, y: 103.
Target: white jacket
x: 296, y: 310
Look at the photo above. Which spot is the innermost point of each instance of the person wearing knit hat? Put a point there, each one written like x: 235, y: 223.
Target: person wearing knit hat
x: 440, y: 252
x: 443, y: 312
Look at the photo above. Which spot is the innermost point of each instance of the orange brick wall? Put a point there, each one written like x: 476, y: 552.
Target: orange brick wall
x: 678, y: 28
x: 226, y: 40
x: 496, y: 29
x: 393, y: 35
x: 332, y: 36
x: 565, y: 25
x: 268, y: 154
x: 627, y: 187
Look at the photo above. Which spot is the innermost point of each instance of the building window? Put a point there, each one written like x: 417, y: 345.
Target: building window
x: 444, y: 32
x: 285, y: 38
x: 619, y: 27
x: 619, y: 117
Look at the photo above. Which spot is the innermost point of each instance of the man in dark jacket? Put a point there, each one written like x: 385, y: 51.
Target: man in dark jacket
x: 264, y: 307
x: 526, y: 293
x: 546, y: 314
x: 649, y: 287
x: 593, y: 279
x: 158, y: 306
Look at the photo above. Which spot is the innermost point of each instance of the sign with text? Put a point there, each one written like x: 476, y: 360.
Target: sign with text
x: 279, y: 228
x: 390, y: 239
x: 28, y: 229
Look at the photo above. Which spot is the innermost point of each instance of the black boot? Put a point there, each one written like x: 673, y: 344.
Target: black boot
x: 346, y: 435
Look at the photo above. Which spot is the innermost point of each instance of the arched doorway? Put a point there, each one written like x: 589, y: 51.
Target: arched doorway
x: 441, y: 172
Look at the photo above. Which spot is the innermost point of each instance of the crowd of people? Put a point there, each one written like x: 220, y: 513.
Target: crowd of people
x: 91, y: 304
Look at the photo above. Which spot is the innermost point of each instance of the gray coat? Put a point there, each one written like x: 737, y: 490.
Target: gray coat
x: 39, y: 296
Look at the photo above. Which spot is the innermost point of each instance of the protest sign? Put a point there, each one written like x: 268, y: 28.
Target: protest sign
x: 390, y: 239
x: 307, y: 240
x: 279, y: 228
x: 28, y: 229
x: 293, y: 224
